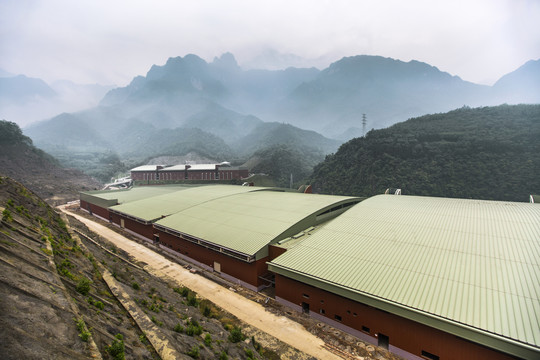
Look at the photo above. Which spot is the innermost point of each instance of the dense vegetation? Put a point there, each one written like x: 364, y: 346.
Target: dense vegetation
x: 281, y: 162
x: 10, y: 133
x: 12, y: 139
x: 482, y: 153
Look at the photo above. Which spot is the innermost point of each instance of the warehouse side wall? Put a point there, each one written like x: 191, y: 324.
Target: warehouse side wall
x: 95, y: 209
x: 246, y: 272
x: 405, y: 337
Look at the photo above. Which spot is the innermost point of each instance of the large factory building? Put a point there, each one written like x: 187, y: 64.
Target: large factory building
x: 425, y: 278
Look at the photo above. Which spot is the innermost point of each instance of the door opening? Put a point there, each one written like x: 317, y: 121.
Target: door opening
x: 384, y: 341
x: 305, y: 308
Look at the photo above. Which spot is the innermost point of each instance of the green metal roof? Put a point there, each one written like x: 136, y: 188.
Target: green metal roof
x: 468, y: 267
x: 152, y: 208
x: 246, y: 223
x: 108, y: 198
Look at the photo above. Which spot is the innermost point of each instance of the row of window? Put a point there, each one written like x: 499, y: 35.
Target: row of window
x: 383, y: 339
x: 226, y: 175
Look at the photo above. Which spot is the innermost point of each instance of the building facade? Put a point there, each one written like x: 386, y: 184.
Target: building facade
x: 197, y: 172
x: 425, y: 278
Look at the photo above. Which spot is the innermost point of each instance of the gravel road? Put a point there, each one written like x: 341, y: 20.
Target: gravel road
x: 246, y: 310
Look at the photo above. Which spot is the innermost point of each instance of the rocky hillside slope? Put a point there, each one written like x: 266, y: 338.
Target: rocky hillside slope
x: 21, y: 160
x: 65, y: 296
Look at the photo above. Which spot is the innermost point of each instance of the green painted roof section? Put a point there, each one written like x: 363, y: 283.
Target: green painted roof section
x: 133, y: 194
x: 152, y: 208
x: 471, y: 263
x: 247, y: 222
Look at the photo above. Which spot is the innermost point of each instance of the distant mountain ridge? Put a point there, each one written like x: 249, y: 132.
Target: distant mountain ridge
x: 25, y: 100
x: 521, y: 85
x: 384, y: 89
x: 21, y: 89
x: 330, y: 101
x: 230, y: 106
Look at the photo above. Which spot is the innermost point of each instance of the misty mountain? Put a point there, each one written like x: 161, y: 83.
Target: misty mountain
x: 26, y: 100
x: 4, y: 73
x: 384, y: 89
x: 521, y: 85
x: 187, y: 88
x: 330, y: 101
x: 267, y: 135
x: 226, y: 124
x: 229, y: 106
x: 21, y: 90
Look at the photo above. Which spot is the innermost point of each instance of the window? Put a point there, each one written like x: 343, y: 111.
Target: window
x: 428, y: 355
x: 306, y: 296
x: 349, y: 312
x: 337, y: 317
x: 322, y: 311
x: 365, y: 329
x: 355, y: 314
x: 322, y: 301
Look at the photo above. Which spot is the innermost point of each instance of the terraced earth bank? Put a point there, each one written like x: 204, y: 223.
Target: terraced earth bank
x: 57, y: 297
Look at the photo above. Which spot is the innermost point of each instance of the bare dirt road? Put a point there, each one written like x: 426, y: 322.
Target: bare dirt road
x: 246, y: 310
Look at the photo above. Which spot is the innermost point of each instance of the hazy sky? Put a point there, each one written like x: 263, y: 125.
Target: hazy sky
x: 111, y: 41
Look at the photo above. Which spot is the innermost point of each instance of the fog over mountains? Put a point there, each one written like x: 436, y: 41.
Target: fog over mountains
x: 157, y: 114
x: 25, y: 100
x: 329, y: 101
x: 225, y: 100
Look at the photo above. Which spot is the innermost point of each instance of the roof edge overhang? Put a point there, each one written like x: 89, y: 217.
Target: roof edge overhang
x: 492, y: 340
x: 131, y: 217
x: 98, y: 201
x: 309, y: 221
x: 249, y: 258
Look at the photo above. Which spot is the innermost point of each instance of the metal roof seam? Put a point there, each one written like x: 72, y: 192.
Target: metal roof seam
x: 416, y: 310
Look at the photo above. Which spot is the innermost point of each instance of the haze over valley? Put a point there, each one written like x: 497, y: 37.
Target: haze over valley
x: 221, y: 112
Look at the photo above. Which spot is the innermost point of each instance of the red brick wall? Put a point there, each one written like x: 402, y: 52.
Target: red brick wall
x: 247, y: 272
x: 145, y: 230
x: 115, y: 218
x: 405, y: 334
x: 209, y: 175
x: 104, y: 213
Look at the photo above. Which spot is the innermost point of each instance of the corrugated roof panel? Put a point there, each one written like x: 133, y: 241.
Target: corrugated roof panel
x: 135, y: 193
x: 155, y: 207
x: 473, y: 262
x: 247, y: 222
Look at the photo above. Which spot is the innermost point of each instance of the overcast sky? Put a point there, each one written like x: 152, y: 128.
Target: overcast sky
x: 111, y: 41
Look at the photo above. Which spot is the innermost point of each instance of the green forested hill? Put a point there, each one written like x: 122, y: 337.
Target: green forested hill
x: 39, y: 171
x: 483, y: 153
